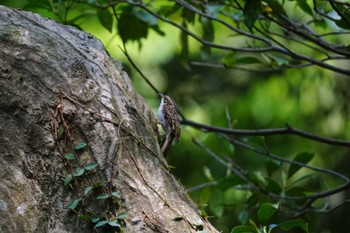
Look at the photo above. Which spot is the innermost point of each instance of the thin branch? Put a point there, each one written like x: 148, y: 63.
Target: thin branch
x: 201, y: 40
x: 308, y: 199
x: 279, y: 158
x: 267, y: 132
x: 201, y: 186
x: 293, y: 27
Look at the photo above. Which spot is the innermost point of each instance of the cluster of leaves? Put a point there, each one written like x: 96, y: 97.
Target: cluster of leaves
x: 267, y: 26
x: 264, y: 215
x: 273, y: 199
x: 94, y: 201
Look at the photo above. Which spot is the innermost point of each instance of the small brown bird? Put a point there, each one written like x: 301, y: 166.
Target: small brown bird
x: 169, y: 119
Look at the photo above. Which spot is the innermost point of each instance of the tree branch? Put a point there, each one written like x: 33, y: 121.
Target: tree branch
x: 267, y: 132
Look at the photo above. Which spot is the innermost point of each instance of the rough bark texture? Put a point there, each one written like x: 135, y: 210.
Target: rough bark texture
x: 55, y: 77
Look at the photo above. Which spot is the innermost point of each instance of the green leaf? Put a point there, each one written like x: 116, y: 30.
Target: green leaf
x: 272, y: 165
x: 208, y: 35
x: 258, y: 141
x: 114, y: 223
x: 214, y: 9
x: 229, y: 182
x: 73, y: 204
x: 90, y: 166
x: 122, y: 215
x: 78, y: 172
x: 273, y: 186
x: 278, y: 61
x: 306, y: 177
x: 105, y: 18
x: 303, y: 157
x: 87, y: 190
x: 67, y: 180
x: 102, y: 196
x: 145, y: 17
x: 116, y: 195
x: 342, y: 23
x: 295, y: 223
x: 84, y: 217
x: 138, y: 30
x: 80, y: 145
x: 97, y: 184
x: 101, y: 223
x: 231, y: 60
x: 265, y: 212
x: 69, y: 156
x: 251, y: 12
x: 305, y: 7
x: 207, y: 173
x: 95, y: 219
x: 188, y: 15
x: 276, y: 7
x: 344, y: 13
x: 243, y: 229
x: 60, y: 132
x: 35, y: 5
x: 243, y: 216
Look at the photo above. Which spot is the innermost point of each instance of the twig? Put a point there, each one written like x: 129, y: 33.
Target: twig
x: 267, y: 132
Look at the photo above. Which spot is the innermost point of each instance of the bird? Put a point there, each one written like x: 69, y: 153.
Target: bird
x: 169, y: 119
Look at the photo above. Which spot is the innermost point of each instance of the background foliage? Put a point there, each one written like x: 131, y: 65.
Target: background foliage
x: 241, y: 65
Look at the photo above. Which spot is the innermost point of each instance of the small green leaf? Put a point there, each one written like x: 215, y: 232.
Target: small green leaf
x: 278, y: 61
x: 344, y: 12
x: 229, y: 182
x: 265, y: 212
x: 276, y: 7
x: 145, y: 17
x: 90, y: 166
x: 60, y: 132
x: 95, y: 219
x: 243, y: 229
x: 69, y: 156
x: 80, y: 145
x: 139, y: 29
x: 287, y: 225
x: 272, y: 165
x: 304, y: 158
x: 114, y: 223
x: 306, y: 177
x: 78, y: 172
x: 251, y: 12
x: 305, y: 6
x: 122, y: 215
x: 87, y: 190
x: 102, y: 196
x: 214, y: 9
x: 105, y: 18
x: 207, y: 173
x: 258, y: 141
x: 273, y: 186
x: 73, y: 204
x: 67, y: 180
x: 116, y: 195
x: 203, y: 213
x: 243, y: 216
x: 97, y: 184
x: 101, y: 223
x: 84, y: 216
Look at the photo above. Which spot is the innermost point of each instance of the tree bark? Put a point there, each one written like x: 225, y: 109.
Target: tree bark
x: 59, y: 88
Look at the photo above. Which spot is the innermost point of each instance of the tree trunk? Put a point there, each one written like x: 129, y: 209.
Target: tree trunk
x: 66, y: 107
